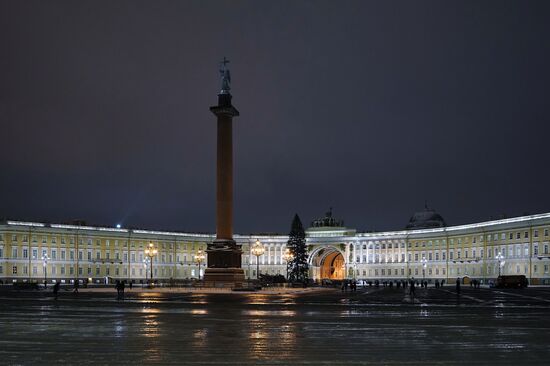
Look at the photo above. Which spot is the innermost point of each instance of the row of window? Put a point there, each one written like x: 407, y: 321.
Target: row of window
x: 495, y: 237
x: 106, y: 271
x: 53, y: 255
x: 513, y: 251
x: 458, y: 271
x: 63, y: 240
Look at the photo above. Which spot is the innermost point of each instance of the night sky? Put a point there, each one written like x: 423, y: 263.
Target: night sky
x: 369, y: 107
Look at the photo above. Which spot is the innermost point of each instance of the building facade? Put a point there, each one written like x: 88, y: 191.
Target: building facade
x: 427, y: 249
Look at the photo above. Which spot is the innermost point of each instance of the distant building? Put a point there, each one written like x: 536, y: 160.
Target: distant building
x: 427, y: 248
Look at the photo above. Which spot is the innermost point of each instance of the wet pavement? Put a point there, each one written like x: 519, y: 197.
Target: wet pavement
x: 372, y: 326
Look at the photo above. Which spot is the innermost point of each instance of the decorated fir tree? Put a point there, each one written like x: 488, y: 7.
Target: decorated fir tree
x: 298, y: 266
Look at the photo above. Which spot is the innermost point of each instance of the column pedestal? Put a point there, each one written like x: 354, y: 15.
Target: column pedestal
x: 224, y: 265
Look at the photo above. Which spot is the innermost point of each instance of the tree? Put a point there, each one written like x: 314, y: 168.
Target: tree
x: 298, y: 266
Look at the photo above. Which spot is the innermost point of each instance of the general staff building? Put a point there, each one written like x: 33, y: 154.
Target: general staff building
x: 426, y: 249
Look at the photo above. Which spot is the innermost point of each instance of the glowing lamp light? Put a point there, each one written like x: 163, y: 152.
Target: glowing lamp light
x: 257, y: 250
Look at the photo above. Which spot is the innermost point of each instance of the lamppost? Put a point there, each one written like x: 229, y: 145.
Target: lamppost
x: 151, y: 251
x: 500, y: 259
x: 199, y: 258
x: 258, y: 250
x: 145, y: 265
x: 424, y: 265
x: 288, y: 257
x: 45, y: 260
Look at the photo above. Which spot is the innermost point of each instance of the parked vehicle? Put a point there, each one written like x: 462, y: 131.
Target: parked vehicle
x: 519, y: 281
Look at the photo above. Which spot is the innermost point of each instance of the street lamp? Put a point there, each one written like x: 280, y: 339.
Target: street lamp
x: 145, y: 265
x: 150, y: 252
x: 500, y: 259
x: 45, y: 260
x: 288, y: 257
x: 258, y: 250
x: 199, y: 258
x: 424, y: 265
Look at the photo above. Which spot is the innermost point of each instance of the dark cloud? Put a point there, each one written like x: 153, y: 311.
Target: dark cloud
x: 370, y: 107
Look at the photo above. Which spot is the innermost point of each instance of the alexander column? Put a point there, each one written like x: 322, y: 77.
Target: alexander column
x: 224, y: 257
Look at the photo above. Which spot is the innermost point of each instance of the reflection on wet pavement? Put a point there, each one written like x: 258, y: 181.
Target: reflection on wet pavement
x: 333, y: 328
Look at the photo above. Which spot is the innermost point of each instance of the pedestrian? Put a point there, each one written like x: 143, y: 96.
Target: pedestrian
x: 412, y: 291
x: 458, y: 285
x: 131, y: 285
x: 75, y: 287
x: 56, y: 289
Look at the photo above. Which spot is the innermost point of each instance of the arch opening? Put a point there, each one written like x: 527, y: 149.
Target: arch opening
x: 328, y: 264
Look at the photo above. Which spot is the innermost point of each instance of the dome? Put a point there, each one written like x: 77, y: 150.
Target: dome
x: 426, y: 219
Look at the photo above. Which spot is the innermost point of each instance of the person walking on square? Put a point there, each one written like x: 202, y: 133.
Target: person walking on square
x: 56, y: 290
x: 458, y: 285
